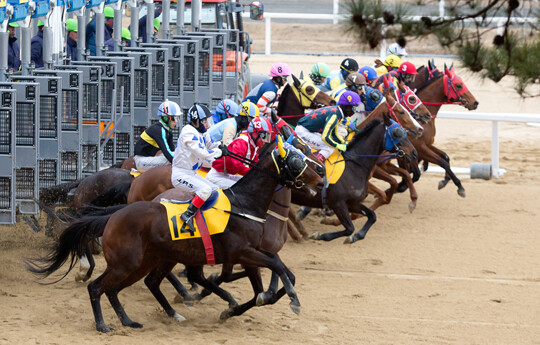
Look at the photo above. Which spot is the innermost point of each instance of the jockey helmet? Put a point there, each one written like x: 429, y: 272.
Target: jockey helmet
x: 319, y: 72
x: 169, y: 108
x: 349, y: 98
x: 227, y: 107
x: 407, y: 72
x: 392, y: 61
x: 369, y: 72
x: 248, y: 109
x: 261, y: 128
x: 280, y: 69
x: 354, y: 80
x: 349, y: 65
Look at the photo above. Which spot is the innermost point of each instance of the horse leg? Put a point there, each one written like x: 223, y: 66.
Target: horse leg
x: 254, y: 274
x: 181, y: 289
x: 153, y: 281
x: 342, y: 212
x: 226, y: 276
x: 195, y: 273
x: 406, y: 177
x: 274, y: 296
x: 432, y: 157
x: 298, y: 224
x: 371, y: 219
x: 445, y: 157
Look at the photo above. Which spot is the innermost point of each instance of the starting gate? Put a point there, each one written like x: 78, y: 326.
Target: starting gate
x: 26, y: 145
x: 7, y: 156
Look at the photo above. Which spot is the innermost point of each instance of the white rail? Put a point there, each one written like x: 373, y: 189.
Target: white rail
x: 495, y: 118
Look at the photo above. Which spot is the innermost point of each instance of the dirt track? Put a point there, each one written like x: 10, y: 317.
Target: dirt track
x: 456, y: 271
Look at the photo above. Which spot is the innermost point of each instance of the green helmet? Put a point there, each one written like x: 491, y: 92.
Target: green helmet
x: 108, y: 12
x: 40, y: 23
x: 321, y: 69
x: 126, y: 34
x: 71, y: 24
x: 157, y: 24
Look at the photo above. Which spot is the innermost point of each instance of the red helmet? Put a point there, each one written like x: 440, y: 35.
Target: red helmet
x: 407, y: 68
x: 261, y: 128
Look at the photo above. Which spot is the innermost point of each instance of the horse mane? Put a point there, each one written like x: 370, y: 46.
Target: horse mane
x: 427, y: 81
x: 364, y: 131
x: 284, y: 93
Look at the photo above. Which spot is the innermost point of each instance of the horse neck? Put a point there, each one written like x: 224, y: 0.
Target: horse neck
x: 378, y: 113
x: 432, y: 93
x: 253, y: 192
x: 288, y: 103
x: 370, y: 143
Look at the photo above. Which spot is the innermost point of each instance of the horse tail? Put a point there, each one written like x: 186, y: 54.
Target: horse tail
x: 72, y: 242
x: 114, y: 195
x: 54, y: 194
x: 94, y: 211
x: 52, y: 213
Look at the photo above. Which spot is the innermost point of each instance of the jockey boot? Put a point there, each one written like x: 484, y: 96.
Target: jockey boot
x: 187, y: 217
x: 321, y: 157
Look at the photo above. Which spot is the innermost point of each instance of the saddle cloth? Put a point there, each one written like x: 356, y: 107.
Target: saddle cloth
x: 335, y: 165
x: 212, y: 213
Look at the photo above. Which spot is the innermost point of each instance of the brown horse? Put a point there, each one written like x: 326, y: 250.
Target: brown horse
x: 299, y: 96
x: 435, y: 89
x: 136, y: 239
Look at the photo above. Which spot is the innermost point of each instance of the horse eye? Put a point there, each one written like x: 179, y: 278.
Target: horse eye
x: 310, y: 90
x: 459, y: 86
x: 412, y: 100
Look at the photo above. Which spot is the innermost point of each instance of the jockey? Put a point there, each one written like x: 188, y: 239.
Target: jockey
x: 193, y: 147
x: 319, y: 72
x: 225, y: 109
x: 265, y: 94
x: 370, y: 74
x: 405, y: 74
x: 158, y: 137
x: 390, y: 63
x: 226, y: 130
x: 226, y: 171
x: 337, y: 78
x: 356, y: 82
x: 319, y: 128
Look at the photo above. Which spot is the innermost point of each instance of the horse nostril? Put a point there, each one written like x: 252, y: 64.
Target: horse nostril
x: 475, y: 105
x: 415, y: 155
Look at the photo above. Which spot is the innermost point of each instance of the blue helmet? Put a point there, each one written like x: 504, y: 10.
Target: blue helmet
x: 198, y: 112
x: 227, y: 107
x: 369, y: 72
x: 349, y: 98
x: 169, y: 108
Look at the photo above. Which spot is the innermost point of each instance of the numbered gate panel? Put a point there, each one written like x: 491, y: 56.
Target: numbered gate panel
x: 7, y: 156
x: 190, y: 71
x: 174, y: 75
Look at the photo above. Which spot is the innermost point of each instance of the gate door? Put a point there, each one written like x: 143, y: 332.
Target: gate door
x: 7, y: 156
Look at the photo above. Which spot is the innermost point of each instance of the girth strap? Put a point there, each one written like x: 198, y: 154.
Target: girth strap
x: 205, y: 236
x: 277, y: 216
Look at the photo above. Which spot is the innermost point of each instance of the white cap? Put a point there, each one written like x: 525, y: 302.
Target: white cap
x: 396, y: 49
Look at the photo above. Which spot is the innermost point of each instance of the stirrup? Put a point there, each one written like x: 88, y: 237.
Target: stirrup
x: 188, y: 225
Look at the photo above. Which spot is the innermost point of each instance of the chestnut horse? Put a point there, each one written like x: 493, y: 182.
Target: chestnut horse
x: 435, y: 88
x: 136, y: 239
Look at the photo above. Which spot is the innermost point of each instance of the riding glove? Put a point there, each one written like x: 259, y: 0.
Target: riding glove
x: 341, y: 147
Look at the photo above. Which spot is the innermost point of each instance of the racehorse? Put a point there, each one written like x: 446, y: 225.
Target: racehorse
x: 296, y: 98
x: 435, y: 89
x: 136, y: 239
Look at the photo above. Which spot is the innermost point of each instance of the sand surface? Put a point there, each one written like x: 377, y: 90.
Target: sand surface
x: 455, y: 271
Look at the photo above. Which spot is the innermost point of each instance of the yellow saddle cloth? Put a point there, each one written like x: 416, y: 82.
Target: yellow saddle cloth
x: 216, y: 219
x: 335, y: 165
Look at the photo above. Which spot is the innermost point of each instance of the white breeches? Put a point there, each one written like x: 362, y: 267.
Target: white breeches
x: 314, y: 140
x: 188, y: 180
x: 221, y: 179
x: 146, y: 163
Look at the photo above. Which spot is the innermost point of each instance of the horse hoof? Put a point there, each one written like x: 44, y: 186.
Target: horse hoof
x: 104, y: 329
x: 412, y: 206
x: 349, y: 239
x: 442, y: 184
x: 314, y: 236
x: 80, y: 278
x: 134, y: 324
x: 295, y: 307
x: 262, y: 299
x: 178, y: 317
x: 461, y: 193
x: 226, y: 314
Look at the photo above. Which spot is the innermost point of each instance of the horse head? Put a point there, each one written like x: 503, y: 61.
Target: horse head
x: 456, y: 90
x: 309, y: 95
x: 413, y: 104
x: 293, y: 169
x: 395, y: 111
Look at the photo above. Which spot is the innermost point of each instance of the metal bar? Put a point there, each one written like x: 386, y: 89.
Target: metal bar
x: 165, y: 18
x: 117, y: 30
x: 150, y: 21
x: 25, y: 50
x: 196, y: 6
x: 81, y: 36
x: 134, y: 25
x: 100, y: 34
x: 4, y: 39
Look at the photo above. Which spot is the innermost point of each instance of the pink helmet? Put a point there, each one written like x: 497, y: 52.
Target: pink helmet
x: 280, y: 69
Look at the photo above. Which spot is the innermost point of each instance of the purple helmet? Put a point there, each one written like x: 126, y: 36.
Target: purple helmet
x: 369, y: 72
x: 349, y: 98
x: 280, y: 69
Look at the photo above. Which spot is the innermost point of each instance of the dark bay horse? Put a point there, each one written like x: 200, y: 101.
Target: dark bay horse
x: 295, y: 98
x: 435, y: 89
x: 136, y: 239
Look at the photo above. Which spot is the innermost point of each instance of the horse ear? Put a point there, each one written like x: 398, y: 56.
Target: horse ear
x: 445, y: 68
x: 452, y: 67
x: 301, y: 74
x: 385, y: 82
x: 281, y: 150
x: 296, y: 81
x: 274, y: 116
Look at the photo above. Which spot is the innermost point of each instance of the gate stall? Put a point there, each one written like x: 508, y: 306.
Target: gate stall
x: 26, y: 145
x: 142, y: 97
x: 7, y: 155
x: 70, y: 121
x: 159, y: 63
x: 123, y: 120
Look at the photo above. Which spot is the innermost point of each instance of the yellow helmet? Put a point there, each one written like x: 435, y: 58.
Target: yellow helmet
x: 248, y: 109
x: 392, y: 61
